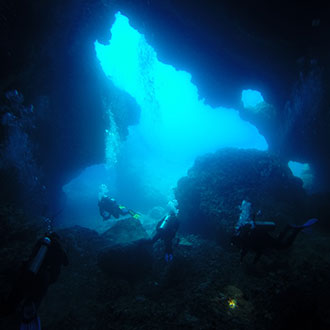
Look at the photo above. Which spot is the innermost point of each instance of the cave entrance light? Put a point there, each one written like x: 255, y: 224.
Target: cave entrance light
x: 251, y: 98
x: 302, y: 171
x: 175, y: 125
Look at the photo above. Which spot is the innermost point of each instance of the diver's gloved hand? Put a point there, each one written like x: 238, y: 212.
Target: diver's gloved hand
x: 168, y: 257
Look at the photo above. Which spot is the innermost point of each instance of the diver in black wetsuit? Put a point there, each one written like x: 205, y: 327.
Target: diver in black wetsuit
x: 41, y: 270
x: 166, y: 230
x: 256, y: 238
x: 109, y: 207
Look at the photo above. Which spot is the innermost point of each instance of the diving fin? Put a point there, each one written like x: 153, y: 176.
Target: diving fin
x: 307, y: 224
x: 134, y: 214
x: 30, y: 319
x: 33, y: 324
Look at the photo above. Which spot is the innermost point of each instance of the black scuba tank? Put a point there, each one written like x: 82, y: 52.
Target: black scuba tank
x: 36, y: 262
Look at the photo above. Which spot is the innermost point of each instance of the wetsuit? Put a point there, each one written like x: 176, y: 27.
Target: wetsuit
x: 167, y: 233
x: 258, y: 240
x: 109, y: 207
x: 31, y: 287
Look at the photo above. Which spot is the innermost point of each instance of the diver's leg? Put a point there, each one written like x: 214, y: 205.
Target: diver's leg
x: 286, y: 238
x: 155, y: 238
x: 168, y: 246
x: 124, y: 211
x: 291, y: 238
x: 168, y: 249
x: 42, y: 283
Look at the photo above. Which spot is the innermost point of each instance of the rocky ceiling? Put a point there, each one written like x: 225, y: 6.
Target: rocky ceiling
x: 226, y: 45
x: 230, y: 45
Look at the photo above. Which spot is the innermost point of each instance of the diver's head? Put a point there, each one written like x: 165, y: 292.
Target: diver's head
x: 172, y: 213
x: 53, y: 236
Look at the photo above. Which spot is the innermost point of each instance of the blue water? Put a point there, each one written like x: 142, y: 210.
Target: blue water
x: 251, y: 98
x: 302, y: 171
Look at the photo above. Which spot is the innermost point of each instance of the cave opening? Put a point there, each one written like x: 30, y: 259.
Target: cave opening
x: 304, y: 172
x: 251, y: 98
x: 175, y: 126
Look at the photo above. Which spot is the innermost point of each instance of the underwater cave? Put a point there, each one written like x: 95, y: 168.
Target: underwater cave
x: 164, y: 165
x: 174, y: 127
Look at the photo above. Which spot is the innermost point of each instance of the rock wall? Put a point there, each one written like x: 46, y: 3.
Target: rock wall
x: 49, y: 58
x: 210, y: 195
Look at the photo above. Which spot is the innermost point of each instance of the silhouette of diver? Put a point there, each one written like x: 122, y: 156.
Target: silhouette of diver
x: 109, y: 207
x: 166, y: 230
x: 41, y: 270
x: 255, y: 237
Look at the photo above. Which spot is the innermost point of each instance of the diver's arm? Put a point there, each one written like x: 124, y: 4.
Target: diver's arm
x: 101, y: 211
x: 105, y: 215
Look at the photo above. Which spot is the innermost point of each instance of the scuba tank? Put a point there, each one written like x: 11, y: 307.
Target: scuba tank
x: 245, y: 216
x: 265, y: 225
x: 165, y: 223
x: 36, y: 262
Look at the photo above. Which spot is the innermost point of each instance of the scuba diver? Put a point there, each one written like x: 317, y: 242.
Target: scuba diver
x: 36, y: 274
x: 255, y: 236
x: 109, y: 207
x: 166, y: 230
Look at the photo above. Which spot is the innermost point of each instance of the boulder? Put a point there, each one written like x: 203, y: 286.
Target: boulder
x: 129, y: 261
x: 124, y: 231
x: 210, y: 195
x: 128, y: 254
